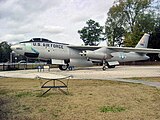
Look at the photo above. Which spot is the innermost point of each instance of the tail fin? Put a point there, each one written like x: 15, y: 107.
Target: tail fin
x: 143, y: 43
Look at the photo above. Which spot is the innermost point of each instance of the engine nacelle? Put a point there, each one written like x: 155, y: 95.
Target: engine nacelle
x: 97, y: 55
x: 80, y: 62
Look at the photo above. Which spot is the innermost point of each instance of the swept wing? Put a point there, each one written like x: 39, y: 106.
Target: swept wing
x: 117, y: 49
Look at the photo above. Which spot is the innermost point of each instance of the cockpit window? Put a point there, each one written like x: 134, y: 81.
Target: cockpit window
x: 37, y: 40
x: 41, y: 40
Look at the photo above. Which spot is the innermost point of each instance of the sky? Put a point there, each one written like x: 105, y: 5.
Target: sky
x: 56, y: 20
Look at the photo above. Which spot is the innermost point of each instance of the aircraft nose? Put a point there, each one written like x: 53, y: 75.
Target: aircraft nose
x: 13, y: 47
x: 18, y: 49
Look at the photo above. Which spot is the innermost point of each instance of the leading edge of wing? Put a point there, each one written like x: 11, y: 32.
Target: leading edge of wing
x: 138, y: 50
x: 117, y: 49
x: 84, y: 47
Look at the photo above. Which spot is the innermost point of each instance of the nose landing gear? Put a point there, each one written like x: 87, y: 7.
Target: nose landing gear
x: 65, y: 67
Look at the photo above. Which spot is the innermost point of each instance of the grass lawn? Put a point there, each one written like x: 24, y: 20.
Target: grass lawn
x: 87, y: 100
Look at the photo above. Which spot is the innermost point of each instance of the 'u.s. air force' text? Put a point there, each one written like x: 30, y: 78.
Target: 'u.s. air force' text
x: 53, y: 45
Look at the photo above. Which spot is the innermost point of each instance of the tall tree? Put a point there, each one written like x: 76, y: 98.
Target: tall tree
x: 126, y: 15
x: 92, y: 34
x: 132, y: 9
x: 114, y: 25
x: 145, y: 23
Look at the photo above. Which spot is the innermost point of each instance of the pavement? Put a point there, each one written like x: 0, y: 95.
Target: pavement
x: 116, y: 74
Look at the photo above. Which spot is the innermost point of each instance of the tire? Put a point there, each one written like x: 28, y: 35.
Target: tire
x: 70, y: 67
x: 104, y: 68
x: 63, y: 67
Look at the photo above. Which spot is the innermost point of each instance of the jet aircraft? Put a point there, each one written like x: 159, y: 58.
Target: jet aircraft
x: 66, y: 55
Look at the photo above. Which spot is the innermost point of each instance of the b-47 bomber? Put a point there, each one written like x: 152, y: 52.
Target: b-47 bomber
x: 66, y: 55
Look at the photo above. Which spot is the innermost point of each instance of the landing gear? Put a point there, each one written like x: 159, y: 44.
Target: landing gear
x: 104, y: 65
x: 63, y: 67
x: 70, y: 68
x: 107, y: 64
x: 104, y: 68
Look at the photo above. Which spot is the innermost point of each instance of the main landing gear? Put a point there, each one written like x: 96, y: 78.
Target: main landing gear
x: 104, y: 68
x: 106, y: 64
x: 65, y: 67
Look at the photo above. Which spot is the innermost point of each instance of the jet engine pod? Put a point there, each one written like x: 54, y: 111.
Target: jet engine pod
x: 97, y: 55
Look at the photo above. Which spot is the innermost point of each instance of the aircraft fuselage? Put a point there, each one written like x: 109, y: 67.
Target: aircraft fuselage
x: 69, y: 55
x: 61, y: 51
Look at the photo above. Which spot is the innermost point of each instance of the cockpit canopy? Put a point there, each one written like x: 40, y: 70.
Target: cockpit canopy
x: 37, y: 40
x: 40, y: 40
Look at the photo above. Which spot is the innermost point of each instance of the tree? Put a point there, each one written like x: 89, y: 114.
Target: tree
x: 145, y: 24
x: 92, y: 34
x: 132, y: 9
x: 154, y: 42
x: 125, y: 17
x: 114, y: 26
x: 4, y: 52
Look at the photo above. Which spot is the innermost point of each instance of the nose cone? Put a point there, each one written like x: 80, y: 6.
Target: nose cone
x: 13, y: 47
x: 18, y: 49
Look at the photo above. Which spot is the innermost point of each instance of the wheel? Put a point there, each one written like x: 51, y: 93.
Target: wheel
x: 63, y: 67
x: 104, y: 68
x: 70, y: 67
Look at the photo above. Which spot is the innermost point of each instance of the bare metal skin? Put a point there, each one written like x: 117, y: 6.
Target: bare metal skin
x: 66, y: 55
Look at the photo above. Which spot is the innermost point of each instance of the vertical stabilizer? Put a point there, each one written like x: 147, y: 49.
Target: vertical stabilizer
x: 143, y: 43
